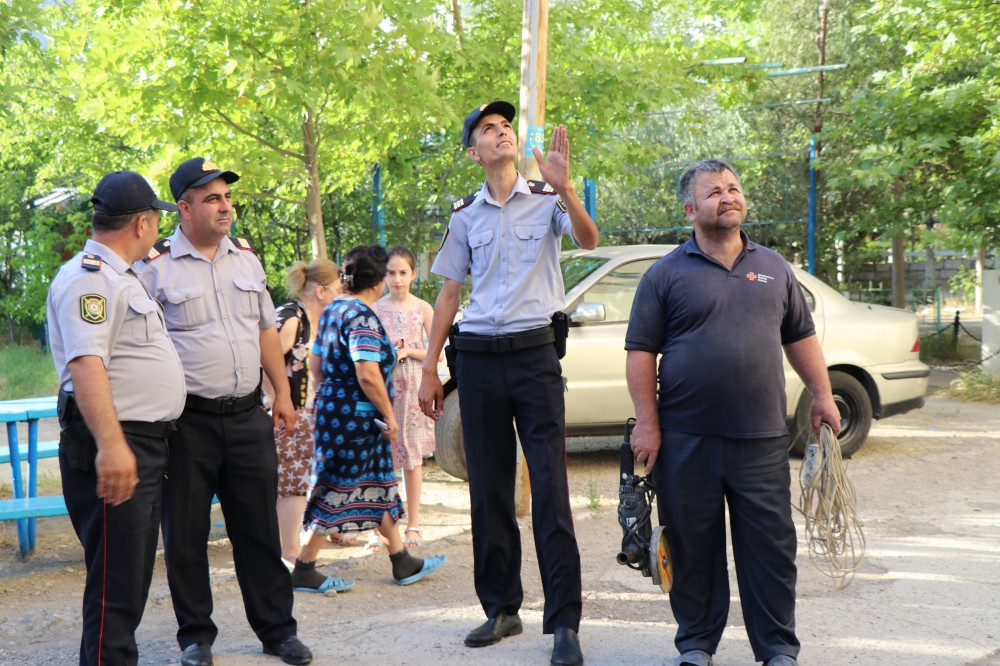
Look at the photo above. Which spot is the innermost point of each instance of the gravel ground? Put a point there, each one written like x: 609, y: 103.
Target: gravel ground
x: 928, y: 492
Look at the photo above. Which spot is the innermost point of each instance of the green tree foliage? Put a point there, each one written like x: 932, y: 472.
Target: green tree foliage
x: 918, y: 139
x: 302, y: 100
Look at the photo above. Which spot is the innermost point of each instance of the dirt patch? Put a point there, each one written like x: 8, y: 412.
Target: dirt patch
x: 925, y: 596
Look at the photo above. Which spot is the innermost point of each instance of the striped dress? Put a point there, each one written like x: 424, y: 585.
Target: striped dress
x: 353, y: 481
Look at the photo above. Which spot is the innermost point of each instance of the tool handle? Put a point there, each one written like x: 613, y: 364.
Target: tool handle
x: 627, y: 457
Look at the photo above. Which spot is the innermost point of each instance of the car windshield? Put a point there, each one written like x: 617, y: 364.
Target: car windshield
x: 576, y: 269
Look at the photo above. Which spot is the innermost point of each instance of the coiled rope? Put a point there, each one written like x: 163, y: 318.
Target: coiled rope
x: 828, y: 503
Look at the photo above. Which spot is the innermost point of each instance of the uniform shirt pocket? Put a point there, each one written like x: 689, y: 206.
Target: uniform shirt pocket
x: 480, y: 243
x: 249, y: 296
x: 529, y: 240
x: 140, y: 319
x: 185, y: 307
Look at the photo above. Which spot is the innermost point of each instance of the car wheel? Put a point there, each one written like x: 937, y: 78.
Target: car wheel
x: 855, y: 415
x: 449, y: 449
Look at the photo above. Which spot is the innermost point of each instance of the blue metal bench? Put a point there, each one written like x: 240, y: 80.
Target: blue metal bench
x: 32, y: 507
x: 49, y: 449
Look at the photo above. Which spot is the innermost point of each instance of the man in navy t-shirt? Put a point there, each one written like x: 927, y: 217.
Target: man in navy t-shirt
x: 718, y: 311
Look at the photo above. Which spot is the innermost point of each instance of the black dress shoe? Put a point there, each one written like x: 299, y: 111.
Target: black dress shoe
x: 566, y: 648
x: 291, y: 650
x: 494, y: 629
x: 197, y: 654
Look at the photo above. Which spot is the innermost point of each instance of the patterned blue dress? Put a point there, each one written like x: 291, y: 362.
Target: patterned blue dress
x: 353, y: 481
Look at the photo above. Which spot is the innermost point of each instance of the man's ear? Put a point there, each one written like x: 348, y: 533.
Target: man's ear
x: 689, y: 211
x: 472, y: 154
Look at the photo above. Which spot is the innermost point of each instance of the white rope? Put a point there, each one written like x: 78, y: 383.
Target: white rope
x: 833, y: 530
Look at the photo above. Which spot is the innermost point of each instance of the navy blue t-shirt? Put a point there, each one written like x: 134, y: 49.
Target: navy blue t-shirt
x: 720, y: 334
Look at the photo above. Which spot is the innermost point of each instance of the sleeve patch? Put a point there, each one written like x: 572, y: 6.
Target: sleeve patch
x: 561, y: 205
x: 93, y: 308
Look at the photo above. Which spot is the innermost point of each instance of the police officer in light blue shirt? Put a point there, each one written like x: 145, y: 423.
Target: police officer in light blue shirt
x: 121, y: 388
x: 508, y: 371
x: 221, y: 318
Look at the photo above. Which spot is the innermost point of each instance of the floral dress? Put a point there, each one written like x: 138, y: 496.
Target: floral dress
x: 295, y: 446
x: 354, y: 483
x: 416, y: 430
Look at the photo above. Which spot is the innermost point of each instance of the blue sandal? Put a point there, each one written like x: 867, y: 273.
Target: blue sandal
x: 330, y: 584
x: 430, y: 564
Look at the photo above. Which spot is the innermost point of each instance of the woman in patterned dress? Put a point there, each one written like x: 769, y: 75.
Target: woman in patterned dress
x: 354, y: 483
x: 312, y: 288
x: 407, y: 319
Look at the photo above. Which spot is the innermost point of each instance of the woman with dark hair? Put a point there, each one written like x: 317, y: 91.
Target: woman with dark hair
x: 354, y: 483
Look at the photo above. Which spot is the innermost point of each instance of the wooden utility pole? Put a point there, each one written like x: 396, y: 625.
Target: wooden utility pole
x: 531, y: 132
x: 531, y: 115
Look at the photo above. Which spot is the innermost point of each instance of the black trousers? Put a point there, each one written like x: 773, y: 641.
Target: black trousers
x: 119, y: 545
x: 696, y: 477
x: 495, y: 392
x: 234, y: 457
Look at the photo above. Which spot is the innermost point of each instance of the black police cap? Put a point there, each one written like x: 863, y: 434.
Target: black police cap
x: 195, y: 172
x: 505, y: 109
x: 124, y: 193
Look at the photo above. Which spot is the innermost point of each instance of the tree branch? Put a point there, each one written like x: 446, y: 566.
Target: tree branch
x: 259, y: 139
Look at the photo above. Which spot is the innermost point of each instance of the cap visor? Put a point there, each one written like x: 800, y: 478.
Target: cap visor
x: 163, y: 205
x: 227, y: 176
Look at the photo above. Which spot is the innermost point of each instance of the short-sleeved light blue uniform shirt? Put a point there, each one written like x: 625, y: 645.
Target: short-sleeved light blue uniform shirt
x: 104, y: 311
x: 513, y: 251
x: 215, y: 310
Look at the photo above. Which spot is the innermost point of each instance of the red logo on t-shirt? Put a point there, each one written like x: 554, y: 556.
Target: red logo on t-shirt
x: 751, y: 276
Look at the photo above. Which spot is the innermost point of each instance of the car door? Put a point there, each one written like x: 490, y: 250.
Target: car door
x: 595, y: 352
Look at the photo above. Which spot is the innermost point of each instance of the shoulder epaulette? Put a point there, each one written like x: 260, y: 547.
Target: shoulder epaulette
x: 91, y: 262
x: 162, y: 247
x: 243, y: 244
x: 540, y: 187
x: 462, y: 203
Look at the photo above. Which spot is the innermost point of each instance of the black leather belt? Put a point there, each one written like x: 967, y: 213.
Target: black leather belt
x: 223, y: 405
x: 157, y: 429
x: 504, y: 343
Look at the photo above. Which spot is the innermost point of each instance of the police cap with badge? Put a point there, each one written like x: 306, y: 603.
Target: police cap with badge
x: 196, y: 172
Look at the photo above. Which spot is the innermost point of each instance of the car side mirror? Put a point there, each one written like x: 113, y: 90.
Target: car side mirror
x: 587, y: 313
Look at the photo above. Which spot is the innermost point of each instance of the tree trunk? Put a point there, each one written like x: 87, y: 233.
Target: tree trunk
x: 456, y: 12
x: 314, y: 204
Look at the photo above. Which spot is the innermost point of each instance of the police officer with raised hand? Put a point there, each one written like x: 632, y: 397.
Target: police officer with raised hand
x: 508, y: 371
x: 221, y: 319
x: 121, y: 388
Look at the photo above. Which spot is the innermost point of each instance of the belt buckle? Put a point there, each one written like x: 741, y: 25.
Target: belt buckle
x: 504, y: 344
x: 228, y: 404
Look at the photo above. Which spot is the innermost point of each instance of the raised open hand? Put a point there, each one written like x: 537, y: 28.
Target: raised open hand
x: 554, y: 167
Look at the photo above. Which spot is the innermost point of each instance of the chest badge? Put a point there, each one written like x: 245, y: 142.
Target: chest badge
x: 93, y: 308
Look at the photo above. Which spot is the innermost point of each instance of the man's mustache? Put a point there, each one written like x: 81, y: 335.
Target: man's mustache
x: 728, y: 207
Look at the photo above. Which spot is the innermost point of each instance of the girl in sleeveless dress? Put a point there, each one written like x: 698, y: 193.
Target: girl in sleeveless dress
x: 407, y: 320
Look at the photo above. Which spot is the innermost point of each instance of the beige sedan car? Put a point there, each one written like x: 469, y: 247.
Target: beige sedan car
x: 872, y: 352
